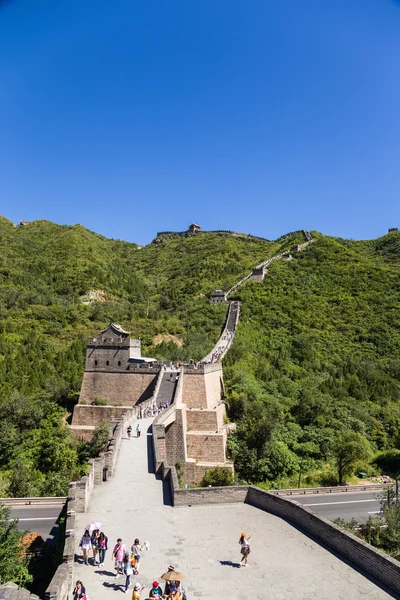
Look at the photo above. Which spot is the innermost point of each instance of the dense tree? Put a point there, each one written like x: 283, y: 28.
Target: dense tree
x: 13, y: 561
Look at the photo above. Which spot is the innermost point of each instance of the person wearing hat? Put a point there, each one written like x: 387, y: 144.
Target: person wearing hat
x: 156, y: 591
x: 244, y: 542
x: 137, y: 589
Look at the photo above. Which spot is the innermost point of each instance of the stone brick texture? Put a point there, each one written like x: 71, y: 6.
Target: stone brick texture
x: 96, y: 415
x: 120, y: 389
x: 205, y: 420
x: 206, y: 447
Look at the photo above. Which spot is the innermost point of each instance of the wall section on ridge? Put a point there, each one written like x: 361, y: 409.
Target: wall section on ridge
x: 119, y: 388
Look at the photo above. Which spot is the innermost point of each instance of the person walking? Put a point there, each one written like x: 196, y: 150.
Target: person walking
x: 138, y: 430
x: 103, y: 547
x: 79, y: 592
x: 127, y: 570
x: 244, y: 542
x: 129, y: 432
x: 95, y: 544
x: 118, y: 554
x: 136, y: 551
x: 86, y: 544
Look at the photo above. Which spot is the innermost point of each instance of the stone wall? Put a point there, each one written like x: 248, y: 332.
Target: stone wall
x: 194, y: 390
x: 202, y: 387
x: 207, y: 447
x: 376, y: 563
x: 86, y: 414
x: 10, y: 591
x: 175, y: 439
x: 205, y: 420
x: 120, y: 389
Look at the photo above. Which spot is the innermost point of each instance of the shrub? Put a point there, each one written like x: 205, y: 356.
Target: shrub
x: 100, y: 401
x: 218, y: 477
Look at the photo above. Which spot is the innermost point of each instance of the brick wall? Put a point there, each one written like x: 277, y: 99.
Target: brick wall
x: 216, y: 495
x: 209, y: 447
x: 202, y: 420
x: 96, y: 415
x: 120, y: 389
x: 175, y: 439
x: 194, y: 390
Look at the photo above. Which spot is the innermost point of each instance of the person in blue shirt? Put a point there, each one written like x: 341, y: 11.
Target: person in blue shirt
x: 156, y: 591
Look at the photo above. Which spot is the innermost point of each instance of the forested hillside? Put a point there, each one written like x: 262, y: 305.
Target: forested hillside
x: 316, y: 354
x: 61, y: 284
x: 315, y: 367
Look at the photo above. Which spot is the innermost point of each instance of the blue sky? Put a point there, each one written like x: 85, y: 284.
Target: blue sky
x: 258, y: 116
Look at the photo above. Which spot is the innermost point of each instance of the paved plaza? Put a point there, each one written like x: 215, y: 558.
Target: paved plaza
x: 202, y: 543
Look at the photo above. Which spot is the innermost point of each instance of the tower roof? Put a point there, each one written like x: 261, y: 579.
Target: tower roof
x: 117, y: 328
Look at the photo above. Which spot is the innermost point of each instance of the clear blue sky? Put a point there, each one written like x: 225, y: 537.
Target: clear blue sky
x: 259, y: 116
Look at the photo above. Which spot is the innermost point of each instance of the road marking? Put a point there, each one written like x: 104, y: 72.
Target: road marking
x: 344, y: 502
x: 374, y: 512
x: 36, y: 519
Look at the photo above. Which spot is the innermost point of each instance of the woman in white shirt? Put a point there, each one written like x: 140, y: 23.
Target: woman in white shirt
x: 244, y: 542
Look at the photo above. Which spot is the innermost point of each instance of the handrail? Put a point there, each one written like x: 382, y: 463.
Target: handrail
x: 35, y: 500
x: 330, y: 490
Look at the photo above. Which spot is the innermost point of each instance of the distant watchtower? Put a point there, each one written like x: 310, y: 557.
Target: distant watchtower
x: 112, y: 350
x: 193, y: 228
x: 217, y: 297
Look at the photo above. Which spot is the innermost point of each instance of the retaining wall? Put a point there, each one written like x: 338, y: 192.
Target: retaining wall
x: 369, y: 559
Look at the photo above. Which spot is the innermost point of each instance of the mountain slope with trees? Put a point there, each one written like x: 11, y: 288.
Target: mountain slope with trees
x: 316, y: 353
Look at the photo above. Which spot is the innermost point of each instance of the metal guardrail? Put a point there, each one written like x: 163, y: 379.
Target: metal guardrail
x: 28, y: 501
x: 331, y: 490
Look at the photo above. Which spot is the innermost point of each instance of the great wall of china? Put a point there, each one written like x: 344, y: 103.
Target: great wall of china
x: 190, y: 435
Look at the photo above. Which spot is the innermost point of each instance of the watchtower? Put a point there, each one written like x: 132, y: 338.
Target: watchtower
x: 112, y: 350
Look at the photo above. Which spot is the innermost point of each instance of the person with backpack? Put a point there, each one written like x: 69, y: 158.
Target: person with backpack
x: 129, y: 432
x: 244, y: 542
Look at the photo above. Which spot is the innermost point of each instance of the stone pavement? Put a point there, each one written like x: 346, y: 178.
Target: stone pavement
x: 202, y: 543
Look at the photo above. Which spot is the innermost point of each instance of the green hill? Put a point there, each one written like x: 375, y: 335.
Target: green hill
x: 316, y: 351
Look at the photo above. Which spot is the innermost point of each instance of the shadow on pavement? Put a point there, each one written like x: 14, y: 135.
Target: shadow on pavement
x: 150, y: 452
x: 106, y: 573
x: 229, y: 563
x: 167, y: 498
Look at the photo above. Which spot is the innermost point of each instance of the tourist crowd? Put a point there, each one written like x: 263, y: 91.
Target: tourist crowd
x: 126, y: 564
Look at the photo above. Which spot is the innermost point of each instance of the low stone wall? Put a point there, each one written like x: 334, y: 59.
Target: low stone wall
x: 369, y: 559
x: 10, y: 591
x: 212, y: 495
x: 373, y: 561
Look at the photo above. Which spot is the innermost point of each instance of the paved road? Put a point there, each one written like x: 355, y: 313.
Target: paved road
x: 41, y: 517
x: 202, y: 543
x: 346, y: 505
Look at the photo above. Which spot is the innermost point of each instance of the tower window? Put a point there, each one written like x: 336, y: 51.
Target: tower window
x: 95, y: 362
x: 119, y: 363
x: 107, y: 363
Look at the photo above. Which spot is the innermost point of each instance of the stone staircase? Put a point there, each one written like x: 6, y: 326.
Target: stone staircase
x: 167, y: 389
